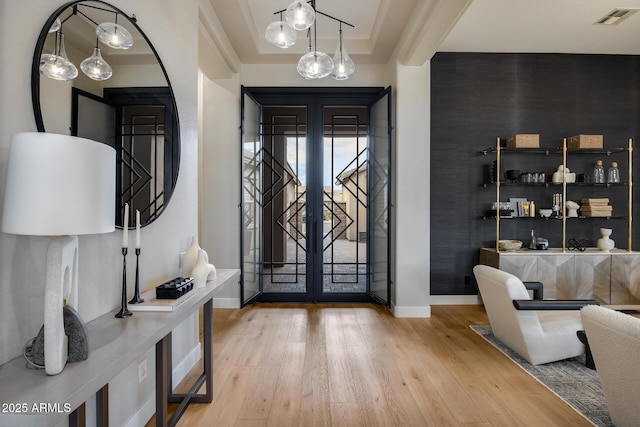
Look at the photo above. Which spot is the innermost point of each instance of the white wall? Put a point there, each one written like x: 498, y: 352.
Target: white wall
x: 220, y: 178
x: 172, y: 28
x: 411, y: 183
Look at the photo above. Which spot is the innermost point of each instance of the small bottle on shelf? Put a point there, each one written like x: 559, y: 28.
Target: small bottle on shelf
x: 598, y: 173
x: 614, y: 173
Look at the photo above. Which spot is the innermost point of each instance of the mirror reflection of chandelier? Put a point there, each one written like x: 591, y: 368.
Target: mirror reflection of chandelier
x: 301, y: 16
x: 57, y: 66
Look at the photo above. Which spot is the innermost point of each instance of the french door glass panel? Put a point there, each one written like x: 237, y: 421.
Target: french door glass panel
x: 379, y: 187
x: 344, y: 219
x: 252, y: 153
x: 284, y: 197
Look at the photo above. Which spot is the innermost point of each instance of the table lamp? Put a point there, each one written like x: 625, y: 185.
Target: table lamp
x: 59, y: 186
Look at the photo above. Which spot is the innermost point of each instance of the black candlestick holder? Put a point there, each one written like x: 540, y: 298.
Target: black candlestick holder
x: 136, y: 297
x: 124, y: 312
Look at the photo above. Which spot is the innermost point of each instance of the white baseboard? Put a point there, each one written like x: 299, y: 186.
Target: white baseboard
x: 146, y: 411
x: 226, y: 303
x: 183, y: 368
x: 144, y: 414
x: 411, y: 311
x: 454, y: 300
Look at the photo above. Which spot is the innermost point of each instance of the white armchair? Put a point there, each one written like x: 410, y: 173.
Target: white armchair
x: 614, y: 339
x: 540, y: 331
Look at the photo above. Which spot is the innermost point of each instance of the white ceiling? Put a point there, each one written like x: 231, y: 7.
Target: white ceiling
x: 420, y: 27
x: 551, y: 26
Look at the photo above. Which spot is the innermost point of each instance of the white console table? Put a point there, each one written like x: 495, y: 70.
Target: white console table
x: 114, y: 344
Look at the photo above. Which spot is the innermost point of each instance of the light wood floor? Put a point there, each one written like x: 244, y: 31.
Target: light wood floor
x: 288, y: 365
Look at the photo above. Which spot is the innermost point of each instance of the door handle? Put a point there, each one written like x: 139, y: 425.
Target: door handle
x: 312, y: 225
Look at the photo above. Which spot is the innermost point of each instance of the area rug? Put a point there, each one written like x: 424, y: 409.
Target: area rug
x: 573, y: 382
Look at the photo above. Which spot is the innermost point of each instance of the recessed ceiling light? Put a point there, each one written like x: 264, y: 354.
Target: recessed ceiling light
x: 616, y: 16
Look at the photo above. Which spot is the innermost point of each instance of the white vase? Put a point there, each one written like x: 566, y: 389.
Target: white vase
x: 200, y: 271
x: 605, y: 244
x: 190, y: 257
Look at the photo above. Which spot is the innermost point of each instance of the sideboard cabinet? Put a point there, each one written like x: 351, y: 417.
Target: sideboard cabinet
x: 608, y: 277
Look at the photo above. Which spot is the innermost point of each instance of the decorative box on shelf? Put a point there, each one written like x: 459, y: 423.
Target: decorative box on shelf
x: 585, y: 141
x: 524, y: 140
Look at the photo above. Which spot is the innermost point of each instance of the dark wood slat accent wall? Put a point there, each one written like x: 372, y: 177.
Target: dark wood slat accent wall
x: 476, y: 97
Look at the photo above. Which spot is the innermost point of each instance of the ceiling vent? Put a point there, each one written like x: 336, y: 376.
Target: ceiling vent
x: 616, y: 16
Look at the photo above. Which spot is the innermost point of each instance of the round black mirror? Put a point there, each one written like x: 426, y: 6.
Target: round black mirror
x: 127, y: 103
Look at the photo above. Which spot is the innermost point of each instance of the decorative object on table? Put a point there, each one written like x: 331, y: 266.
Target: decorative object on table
x: 203, y: 270
x: 569, y: 177
x: 542, y: 244
x: 136, y: 296
x: 598, y: 173
x: 585, y: 141
x: 613, y: 177
x: 533, y: 242
x: 575, y: 245
x: 572, y: 209
x: 189, y: 258
x: 545, y: 213
x: 598, y: 207
x: 124, y: 311
x: 175, y: 288
x: 509, y: 245
x: 524, y: 140
x: 605, y: 244
x: 59, y: 186
x: 76, y: 331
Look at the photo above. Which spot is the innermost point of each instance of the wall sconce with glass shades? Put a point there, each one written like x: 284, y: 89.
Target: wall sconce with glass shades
x: 300, y: 16
x: 57, y: 66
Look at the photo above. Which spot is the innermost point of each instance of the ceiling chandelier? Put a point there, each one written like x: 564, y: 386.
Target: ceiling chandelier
x: 57, y: 66
x: 300, y: 16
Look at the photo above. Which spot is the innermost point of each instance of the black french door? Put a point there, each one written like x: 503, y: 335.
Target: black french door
x: 315, y: 194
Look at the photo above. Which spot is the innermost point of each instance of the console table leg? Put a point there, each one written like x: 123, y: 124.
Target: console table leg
x: 78, y: 418
x: 102, y: 406
x: 162, y: 380
x: 207, y: 318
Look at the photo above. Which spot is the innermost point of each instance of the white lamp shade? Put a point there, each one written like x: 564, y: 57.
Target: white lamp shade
x: 59, y: 185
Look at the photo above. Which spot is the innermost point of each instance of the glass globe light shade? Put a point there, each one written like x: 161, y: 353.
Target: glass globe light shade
x: 95, y: 67
x: 56, y: 65
x: 343, y: 65
x: 114, y: 35
x: 57, y: 68
x: 281, y: 34
x: 55, y: 26
x: 315, y: 65
x: 300, y: 14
